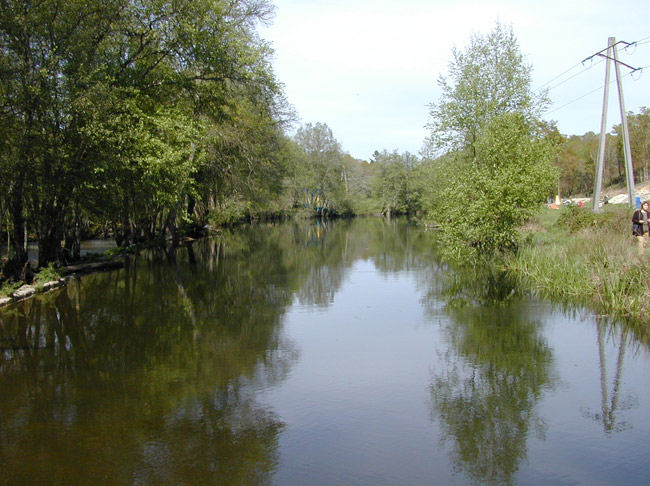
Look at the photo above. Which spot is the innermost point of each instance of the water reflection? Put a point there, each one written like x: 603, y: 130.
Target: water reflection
x: 496, y: 368
x: 148, y: 375
x: 611, y: 401
x: 164, y: 372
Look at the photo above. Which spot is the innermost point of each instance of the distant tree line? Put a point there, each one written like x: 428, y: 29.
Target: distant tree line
x: 578, y: 156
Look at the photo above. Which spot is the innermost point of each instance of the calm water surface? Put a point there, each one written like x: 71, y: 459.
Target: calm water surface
x: 333, y: 354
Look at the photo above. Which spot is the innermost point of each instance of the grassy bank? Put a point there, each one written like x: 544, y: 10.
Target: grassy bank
x: 577, y: 256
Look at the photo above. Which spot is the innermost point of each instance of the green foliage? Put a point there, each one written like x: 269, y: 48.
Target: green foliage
x: 319, y: 174
x: 639, y: 133
x: 9, y: 288
x: 489, y: 78
x: 139, y: 115
x: 484, y: 200
x: 391, y: 181
x: 577, y: 161
x: 229, y: 211
x: 578, y: 155
x: 498, y: 164
x: 592, y: 260
x: 575, y: 218
x: 48, y: 274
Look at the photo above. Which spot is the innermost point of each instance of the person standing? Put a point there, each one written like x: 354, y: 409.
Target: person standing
x: 640, y: 221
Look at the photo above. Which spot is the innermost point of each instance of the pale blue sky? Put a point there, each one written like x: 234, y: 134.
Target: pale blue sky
x: 369, y: 68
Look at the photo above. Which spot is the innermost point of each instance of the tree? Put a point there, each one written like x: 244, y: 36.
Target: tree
x: 480, y: 205
x: 49, y: 60
x: 391, y: 181
x: 577, y: 161
x: 111, y: 109
x: 498, y: 162
x: 323, y: 169
x: 489, y: 78
x: 639, y: 129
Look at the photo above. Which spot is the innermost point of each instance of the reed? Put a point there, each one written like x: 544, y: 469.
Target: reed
x: 590, y: 259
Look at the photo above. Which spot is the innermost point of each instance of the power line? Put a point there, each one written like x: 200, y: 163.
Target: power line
x: 573, y: 101
x: 575, y: 75
x: 558, y: 76
x: 590, y: 58
x: 635, y: 44
x: 591, y: 92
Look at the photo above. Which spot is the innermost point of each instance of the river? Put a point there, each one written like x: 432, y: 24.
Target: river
x: 337, y: 353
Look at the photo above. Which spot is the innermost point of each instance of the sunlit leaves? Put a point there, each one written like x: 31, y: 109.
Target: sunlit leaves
x: 322, y: 170
x: 498, y: 160
x: 482, y: 203
x: 392, y: 181
x: 487, y: 79
x: 108, y: 107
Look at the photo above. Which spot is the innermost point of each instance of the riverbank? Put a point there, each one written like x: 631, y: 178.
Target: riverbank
x: 579, y: 257
x: 50, y: 279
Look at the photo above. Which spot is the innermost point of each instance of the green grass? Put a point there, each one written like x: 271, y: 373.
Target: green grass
x: 586, y: 258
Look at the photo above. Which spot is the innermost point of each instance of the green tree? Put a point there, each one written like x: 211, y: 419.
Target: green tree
x: 391, y: 181
x: 323, y: 168
x: 486, y: 199
x: 489, y: 78
x: 122, y: 111
x: 498, y: 162
x: 49, y: 57
x: 639, y: 125
x: 639, y: 128
x: 577, y: 161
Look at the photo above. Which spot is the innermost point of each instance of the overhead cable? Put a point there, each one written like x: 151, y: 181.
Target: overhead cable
x: 558, y: 76
x: 593, y: 91
x: 643, y: 41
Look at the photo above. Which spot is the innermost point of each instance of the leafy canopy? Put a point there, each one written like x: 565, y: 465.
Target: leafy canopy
x: 497, y: 165
x: 489, y: 78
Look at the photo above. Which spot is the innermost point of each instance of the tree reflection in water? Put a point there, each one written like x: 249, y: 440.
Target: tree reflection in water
x: 496, y: 368
x: 148, y: 375
x: 157, y: 373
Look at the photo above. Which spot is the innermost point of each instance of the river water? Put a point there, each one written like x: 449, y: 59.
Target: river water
x: 315, y: 354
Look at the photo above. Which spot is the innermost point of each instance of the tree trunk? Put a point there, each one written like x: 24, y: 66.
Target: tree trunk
x: 72, y: 244
x: 49, y: 244
x: 19, y: 236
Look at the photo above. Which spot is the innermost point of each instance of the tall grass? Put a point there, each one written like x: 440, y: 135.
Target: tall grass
x: 577, y: 256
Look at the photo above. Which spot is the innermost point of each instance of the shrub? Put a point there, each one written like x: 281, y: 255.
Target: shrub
x: 47, y: 274
x: 575, y: 218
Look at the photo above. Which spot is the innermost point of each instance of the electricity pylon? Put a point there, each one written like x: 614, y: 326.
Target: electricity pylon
x: 612, y: 55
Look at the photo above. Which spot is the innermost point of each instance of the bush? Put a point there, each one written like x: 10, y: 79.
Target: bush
x: 575, y: 218
x: 593, y: 262
x: 47, y: 274
x: 229, y: 212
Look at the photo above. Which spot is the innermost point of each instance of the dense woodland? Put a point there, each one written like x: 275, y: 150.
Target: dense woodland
x: 150, y: 120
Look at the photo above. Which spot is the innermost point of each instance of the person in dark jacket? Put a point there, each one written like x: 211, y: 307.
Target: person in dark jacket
x: 640, y: 221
